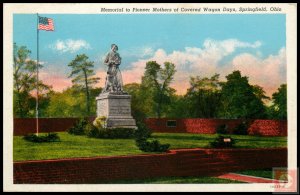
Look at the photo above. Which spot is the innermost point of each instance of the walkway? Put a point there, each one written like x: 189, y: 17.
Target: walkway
x: 247, y: 178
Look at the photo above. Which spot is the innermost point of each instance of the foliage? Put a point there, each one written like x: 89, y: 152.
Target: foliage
x: 241, y: 129
x: 25, y: 82
x: 82, y: 74
x: 223, y: 142
x: 203, y: 97
x: 97, y: 130
x: 141, y: 136
x: 79, y: 127
x: 142, y: 132
x: 239, y: 98
x: 109, y: 133
x: 179, y: 108
x: 91, y: 130
x: 151, y: 146
x: 222, y: 129
x: 140, y: 101
x: 279, y: 107
x: 100, y: 122
x: 50, y: 137
x: 156, y: 81
x: 71, y: 103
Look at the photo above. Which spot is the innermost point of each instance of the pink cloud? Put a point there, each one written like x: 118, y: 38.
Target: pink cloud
x: 269, y: 73
x: 57, y: 81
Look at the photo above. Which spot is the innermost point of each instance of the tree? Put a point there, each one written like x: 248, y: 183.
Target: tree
x: 203, y: 97
x: 239, y: 99
x: 139, y: 103
x: 71, y: 103
x: 179, y: 108
x: 156, y: 81
x: 279, y: 107
x: 25, y: 83
x: 82, y: 74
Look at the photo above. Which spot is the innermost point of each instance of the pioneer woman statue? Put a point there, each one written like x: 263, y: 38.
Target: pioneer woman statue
x: 113, y: 83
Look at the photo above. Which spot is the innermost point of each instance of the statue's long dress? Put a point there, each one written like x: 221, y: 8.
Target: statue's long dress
x: 113, y: 81
x: 116, y: 78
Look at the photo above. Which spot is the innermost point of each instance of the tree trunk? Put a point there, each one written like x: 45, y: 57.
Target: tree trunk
x: 159, y: 103
x: 87, y: 94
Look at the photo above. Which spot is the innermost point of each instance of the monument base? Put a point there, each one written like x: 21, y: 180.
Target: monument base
x: 117, y: 110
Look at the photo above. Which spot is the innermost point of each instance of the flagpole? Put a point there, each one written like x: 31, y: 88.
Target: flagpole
x: 37, y: 80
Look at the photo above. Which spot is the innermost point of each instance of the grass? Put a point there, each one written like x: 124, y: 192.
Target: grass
x: 265, y: 173
x: 81, y: 146
x: 176, y: 180
x: 72, y: 146
x: 186, y: 140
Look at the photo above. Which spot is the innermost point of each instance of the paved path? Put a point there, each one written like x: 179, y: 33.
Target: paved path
x: 247, y: 178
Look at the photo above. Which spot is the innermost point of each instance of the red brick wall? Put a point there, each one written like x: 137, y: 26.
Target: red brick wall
x: 208, y: 126
x: 268, y: 128
x: 23, y: 126
x: 184, y: 162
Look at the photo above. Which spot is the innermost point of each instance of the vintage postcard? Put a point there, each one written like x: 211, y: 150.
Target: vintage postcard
x: 150, y: 97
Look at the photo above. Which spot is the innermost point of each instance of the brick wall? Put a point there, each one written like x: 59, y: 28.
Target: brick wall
x: 268, y: 128
x: 208, y: 126
x: 23, y: 126
x: 183, y: 162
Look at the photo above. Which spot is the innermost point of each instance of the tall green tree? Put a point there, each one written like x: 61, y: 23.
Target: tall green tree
x: 203, y: 97
x: 156, y: 81
x: 239, y: 99
x: 179, y: 107
x: 82, y: 74
x: 71, y: 103
x: 279, y: 107
x: 139, y: 104
x: 24, y: 76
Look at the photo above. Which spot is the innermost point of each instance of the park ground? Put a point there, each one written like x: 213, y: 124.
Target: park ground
x: 72, y: 146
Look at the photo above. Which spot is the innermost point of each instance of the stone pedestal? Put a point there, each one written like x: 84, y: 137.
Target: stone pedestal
x: 117, y: 109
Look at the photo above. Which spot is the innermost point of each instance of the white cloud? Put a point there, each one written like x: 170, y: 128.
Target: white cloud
x: 70, y: 45
x: 40, y: 62
x: 205, y: 61
x: 140, y: 52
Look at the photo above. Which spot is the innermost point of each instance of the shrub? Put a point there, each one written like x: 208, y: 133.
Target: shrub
x: 100, y: 122
x: 91, y: 131
x: 78, y: 128
x: 151, y: 146
x: 142, y: 132
x: 222, y: 142
x: 113, y: 133
x: 241, y: 129
x: 50, y: 137
x: 120, y: 133
x: 222, y: 129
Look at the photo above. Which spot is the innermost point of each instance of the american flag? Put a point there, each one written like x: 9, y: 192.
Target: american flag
x: 46, y: 24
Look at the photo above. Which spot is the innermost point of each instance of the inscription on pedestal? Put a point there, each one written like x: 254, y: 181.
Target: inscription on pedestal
x: 119, y: 110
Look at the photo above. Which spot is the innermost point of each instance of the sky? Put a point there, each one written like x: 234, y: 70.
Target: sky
x: 198, y: 45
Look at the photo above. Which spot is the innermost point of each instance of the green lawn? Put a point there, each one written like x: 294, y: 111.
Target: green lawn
x: 176, y: 180
x: 82, y: 146
x: 265, y: 173
x: 187, y: 140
